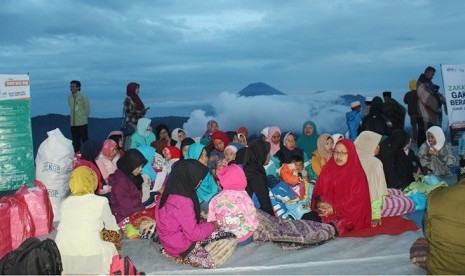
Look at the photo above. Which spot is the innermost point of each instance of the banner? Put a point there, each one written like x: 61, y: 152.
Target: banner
x: 16, y: 151
x: 454, y: 88
x: 453, y: 77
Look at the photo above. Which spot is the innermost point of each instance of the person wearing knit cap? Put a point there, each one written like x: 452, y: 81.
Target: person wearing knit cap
x: 411, y: 100
x: 353, y: 119
x: 230, y: 153
x: 233, y: 208
x: 243, y: 130
x: 394, y: 111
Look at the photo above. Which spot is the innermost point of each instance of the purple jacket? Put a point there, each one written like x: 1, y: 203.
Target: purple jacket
x: 177, y: 226
x: 125, y: 198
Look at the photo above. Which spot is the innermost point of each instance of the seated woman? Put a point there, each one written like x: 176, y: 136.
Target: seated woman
x: 87, y: 156
x: 118, y: 137
x: 253, y: 159
x: 179, y: 224
x: 143, y: 134
x: 219, y: 141
x: 435, y: 154
x: 126, y: 186
x: 83, y: 216
x: 322, y: 154
x: 398, y: 170
x: 384, y: 202
x: 208, y: 188
x: 308, y: 139
x: 106, y: 160
x: 341, y: 196
x: 148, y: 174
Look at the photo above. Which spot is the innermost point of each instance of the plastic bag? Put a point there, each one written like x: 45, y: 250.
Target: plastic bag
x: 40, y: 208
x: 20, y: 225
x: 54, y: 162
x: 5, y: 237
x: 419, y: 199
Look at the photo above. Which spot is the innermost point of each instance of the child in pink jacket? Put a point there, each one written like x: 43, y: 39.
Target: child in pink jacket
x: 179, y: 227
x: 232, y: 207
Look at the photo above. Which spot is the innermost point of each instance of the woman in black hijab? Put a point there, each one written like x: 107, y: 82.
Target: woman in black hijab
x: 376, y: 121
x: 398, y: 167
x: 252, y: 159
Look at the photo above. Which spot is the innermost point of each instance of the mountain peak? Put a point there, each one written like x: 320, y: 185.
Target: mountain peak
x: 259, y: 89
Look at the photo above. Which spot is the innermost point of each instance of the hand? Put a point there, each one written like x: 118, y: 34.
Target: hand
x: 432, y: 151
x: 375, y: 222
x: 216, y: 224
x: 325, y: 209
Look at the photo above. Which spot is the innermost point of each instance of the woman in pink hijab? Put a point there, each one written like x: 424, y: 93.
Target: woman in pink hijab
x: 274, y: 137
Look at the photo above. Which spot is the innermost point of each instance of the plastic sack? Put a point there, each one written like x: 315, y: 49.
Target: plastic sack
x: 40, y: 208
x: 419, y: 199
x: 5, y: 237
x: 54, y: 162
x: 20, y: 227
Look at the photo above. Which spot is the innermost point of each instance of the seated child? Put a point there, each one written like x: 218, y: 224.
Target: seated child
x: 229, y: 156
x: 295, y: 176
x: 435, y: 154
x: 233, y: 208
x: 171, y: 154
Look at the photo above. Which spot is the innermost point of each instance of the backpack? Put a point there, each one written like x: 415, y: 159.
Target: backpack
x: 33, y: 256
x: 123, y: 266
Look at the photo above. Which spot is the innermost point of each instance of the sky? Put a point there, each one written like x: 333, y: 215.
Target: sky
x: 185, y: 54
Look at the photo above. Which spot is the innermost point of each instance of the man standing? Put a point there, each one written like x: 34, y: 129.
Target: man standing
x: 411, y: 100
x: 394, y: 111
x: 428, y: 103
x: 79, y: 113
x: 353, y: 119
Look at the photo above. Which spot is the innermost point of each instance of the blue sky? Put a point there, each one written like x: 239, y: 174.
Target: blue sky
x: 185, y: 53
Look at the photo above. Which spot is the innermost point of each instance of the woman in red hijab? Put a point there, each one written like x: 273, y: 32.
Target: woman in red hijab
x: 341, y: 196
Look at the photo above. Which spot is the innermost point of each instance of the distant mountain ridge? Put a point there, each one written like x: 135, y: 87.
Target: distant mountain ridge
x: 99, y: 128
x: 259, y: 89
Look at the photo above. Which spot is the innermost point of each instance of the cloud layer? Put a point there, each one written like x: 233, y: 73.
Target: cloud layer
x: 189, y: 51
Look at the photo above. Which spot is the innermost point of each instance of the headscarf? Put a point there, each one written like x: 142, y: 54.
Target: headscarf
x: 149, y: 153
x: 131, y: 93
x: 274, y: 147
x: 221, y: 136
x: 336, y: 137
x: 321, y: 142
x: 231, y: 148
x: 366, y: 144
x: 173, y: 151
x: 142, y: 125
x: 194, y: 151
x: 232, y: 177
x: 183, y: 180
x: 129, y: 162
x: 243, y: 130
x: 376, y: 107
x: 285, y: 155
x: 186, y: 142
x: 83, y: 180
x: 115, y: 133
x: 208, y: 132
x: 108, y: 146
x: 253, y: 157
x: 264, y: 132
x: 345, y: 188
x: 239, y: 135
x: 174, y: 136
x: 230, y: 135
x: 308, y: 143
x: 391, y: 154
x: 438, y: 134
x: 90, y: 150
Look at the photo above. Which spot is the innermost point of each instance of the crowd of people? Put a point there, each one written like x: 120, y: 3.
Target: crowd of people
x: 181, y: 191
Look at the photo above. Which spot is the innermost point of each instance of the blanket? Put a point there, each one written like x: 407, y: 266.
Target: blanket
x: 389, y: 226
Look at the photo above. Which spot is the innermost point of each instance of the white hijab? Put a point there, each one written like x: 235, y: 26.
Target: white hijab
x: 366, y: 144
x: 438, y: 134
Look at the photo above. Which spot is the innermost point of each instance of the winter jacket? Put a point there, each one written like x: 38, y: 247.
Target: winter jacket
x: 177, y: 226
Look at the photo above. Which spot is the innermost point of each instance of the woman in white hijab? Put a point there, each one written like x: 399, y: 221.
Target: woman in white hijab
x: 384, y: 202
x: 436, y: 154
